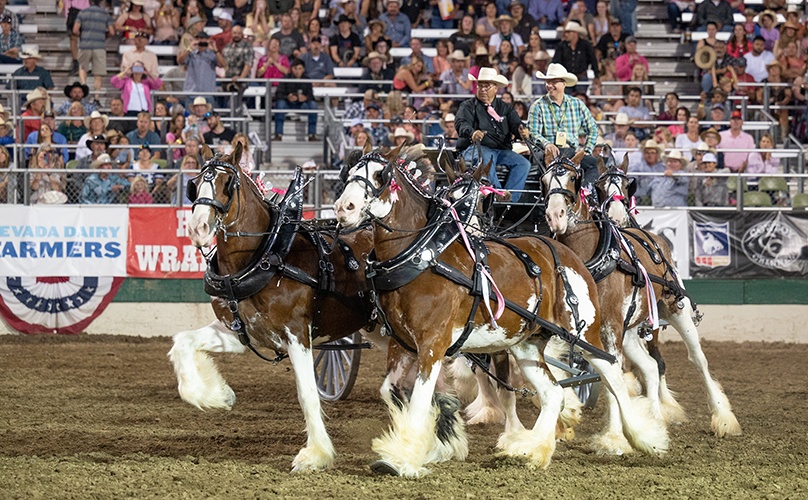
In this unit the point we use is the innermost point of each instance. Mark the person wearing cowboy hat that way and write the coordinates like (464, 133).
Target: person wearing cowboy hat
(93, 25)
(455, 80)
(621, 128)
(487, 120)
(670, 189)
(36, 102)
(649, 162)
(505, 24)
(712, 138)
(345, 45)
(97, 145)
(77, 92)
(524, 21)
(102, 187)
(575, 52)
(377, 71)
(767, 28)
(549, 14)
(401, 136)
(398, 25)
(719, 12)
(556, 118)
(30, 68)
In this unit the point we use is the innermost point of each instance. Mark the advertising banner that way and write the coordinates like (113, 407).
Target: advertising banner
(671, 226)
(159, 246)
(749, 245)
(63, 241)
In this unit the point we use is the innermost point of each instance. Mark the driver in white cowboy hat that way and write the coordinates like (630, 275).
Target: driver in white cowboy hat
(557, 119)
(493, 123)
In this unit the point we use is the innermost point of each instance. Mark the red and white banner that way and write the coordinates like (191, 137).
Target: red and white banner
(63, 240)
(159, 246)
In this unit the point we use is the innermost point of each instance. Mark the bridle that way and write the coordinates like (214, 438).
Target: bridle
(557, 169)
(617, 178)
(232, 189)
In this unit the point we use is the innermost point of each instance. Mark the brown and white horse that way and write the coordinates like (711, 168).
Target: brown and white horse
(430, 313)
(624, 310)
(286, 315)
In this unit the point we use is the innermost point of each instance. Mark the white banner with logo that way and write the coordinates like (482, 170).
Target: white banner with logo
(63, 240)
(672, 226)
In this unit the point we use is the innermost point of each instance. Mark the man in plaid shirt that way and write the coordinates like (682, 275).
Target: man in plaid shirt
(239, 55)
(556, 118)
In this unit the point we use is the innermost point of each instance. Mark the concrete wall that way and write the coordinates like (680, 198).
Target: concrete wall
(725, 323)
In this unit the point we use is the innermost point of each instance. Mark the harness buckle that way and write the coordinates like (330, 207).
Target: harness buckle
(233, 306)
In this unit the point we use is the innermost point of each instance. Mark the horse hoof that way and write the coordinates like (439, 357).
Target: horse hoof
(384, 468)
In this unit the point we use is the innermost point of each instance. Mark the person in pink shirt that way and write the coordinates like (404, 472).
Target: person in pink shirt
(735, 138)
(626, 62)
(273, 64)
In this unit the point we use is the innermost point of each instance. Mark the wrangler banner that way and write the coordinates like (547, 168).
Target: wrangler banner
(749, 245)
(159, 246)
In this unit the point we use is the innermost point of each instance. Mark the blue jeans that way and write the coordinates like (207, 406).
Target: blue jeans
(626, 12)
(516, 165)
(437, 21)
(284, 104)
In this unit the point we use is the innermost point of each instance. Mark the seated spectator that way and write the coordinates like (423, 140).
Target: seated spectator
(35, 104)
(225, 22)
(599, 23)
(416, 47)
(671, 108)
(767, 29)
(398, 25)
(5, 177)
(639, 74)
(376, 70)
(440, 62)
(358, 109)
(505, 60)
(146, 167)
(649, 163)
(6, 133)
(663, 137)
(273, 64)
(621, 128)
(739, 44)
(314, 31)
(317, 63)
(456, 79)
(189, 169)
(636, 111)
(763, 162)
(758, 60)
(77, 92)
(793, 63)
(350, 10)
(549, 14)
(710, 191)
(261, 22)
(670, 189)
(10, 40)
(247, 161)
(143, 135)
(412, 77)
(484, 26)
(73, 130)
(401, 136)
(47, 187)
(505, 25)
(160, 120)
(117, 117)
(378, 130)
(31, 68)
(524, 22)
(139, 192)
(103, 187)
(690, 138)
(523, 82)
(612, 44)
(778, 95)
(174, 136)
(46, 135)
(345, 45)
(136, 85)
(219, 135)
(122, 154)
(579, 13)
(718, 12)
(720, 68)
(376, 32)
(712, 138)
(383, 48)
(411, 123)
(362, 138)
(625, 63)
(736, 138)
(292, 43)
(465, 36)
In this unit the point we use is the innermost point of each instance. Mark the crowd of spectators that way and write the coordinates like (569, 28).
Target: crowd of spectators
(235, 40)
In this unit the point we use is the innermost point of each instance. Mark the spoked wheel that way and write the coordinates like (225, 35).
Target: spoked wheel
(336, 369)
(587, 393)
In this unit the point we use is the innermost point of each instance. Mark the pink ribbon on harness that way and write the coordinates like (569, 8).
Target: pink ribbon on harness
(486, 190)
(394, 189)
(488, 278)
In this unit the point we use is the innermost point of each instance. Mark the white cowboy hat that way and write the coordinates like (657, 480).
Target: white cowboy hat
(401, 132)
(93, 116)
(101, 160)
(505, 18)
(675, 154)
(490, 75)
(450, 117)
(576, 27)
(457, 55)
(652, 144)
(621, 119)
(31, 53)
(700, 146)
(53, 198)
(35, 95)
(557, 71)
(600, 141)
(542, 55)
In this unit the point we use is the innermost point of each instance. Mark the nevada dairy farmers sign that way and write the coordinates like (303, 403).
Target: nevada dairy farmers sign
(63, 241)
(159, 246)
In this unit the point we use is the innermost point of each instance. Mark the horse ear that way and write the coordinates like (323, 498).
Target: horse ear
(602, 166)
(367, 148)
(394, 153)
(578, 157)
(548, 157)
(207, 154)
(483, 171)
(235, 156)
(446, 165)
(624, 164)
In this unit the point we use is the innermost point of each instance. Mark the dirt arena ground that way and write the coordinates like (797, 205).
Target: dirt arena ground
(100, 417)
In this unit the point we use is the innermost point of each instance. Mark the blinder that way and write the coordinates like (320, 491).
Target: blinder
(209, 173)
(559, 168)
(632, 187)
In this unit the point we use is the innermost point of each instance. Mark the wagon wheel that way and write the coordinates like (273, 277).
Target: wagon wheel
(336, 369)
(587, 393)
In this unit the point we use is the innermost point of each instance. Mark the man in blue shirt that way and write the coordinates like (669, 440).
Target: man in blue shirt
(398, 25)
(670, 189)
(318, 65)
(200, 59)
(143, 135)
(30, 68)
(548, 13)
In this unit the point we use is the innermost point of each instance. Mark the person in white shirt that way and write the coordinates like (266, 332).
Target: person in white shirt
(758, 59)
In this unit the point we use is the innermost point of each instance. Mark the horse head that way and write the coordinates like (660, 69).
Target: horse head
(561, 186)
(614, 185)
(213, 193)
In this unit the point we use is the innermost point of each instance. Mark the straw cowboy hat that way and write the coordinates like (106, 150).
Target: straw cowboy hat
(490, 75)
(600, 141)
(790, 24)
(768, 13)
(93, 116)
(556, 71)
(103, 159)
(199, 101)
(190, 22)
(401, 132)
(35, 95)
(77, 85)
(652, 144)
(373, 22)
(576, 27)
(710, 131)
(705, 57)
(457, 55)
(505, 18)
(620, 119)
(31, 53)
(675, 154)
(700, 146)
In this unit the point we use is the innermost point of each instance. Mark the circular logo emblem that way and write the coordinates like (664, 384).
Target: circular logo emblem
(773, 245)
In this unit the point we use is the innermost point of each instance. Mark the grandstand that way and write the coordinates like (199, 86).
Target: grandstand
(669, 55)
